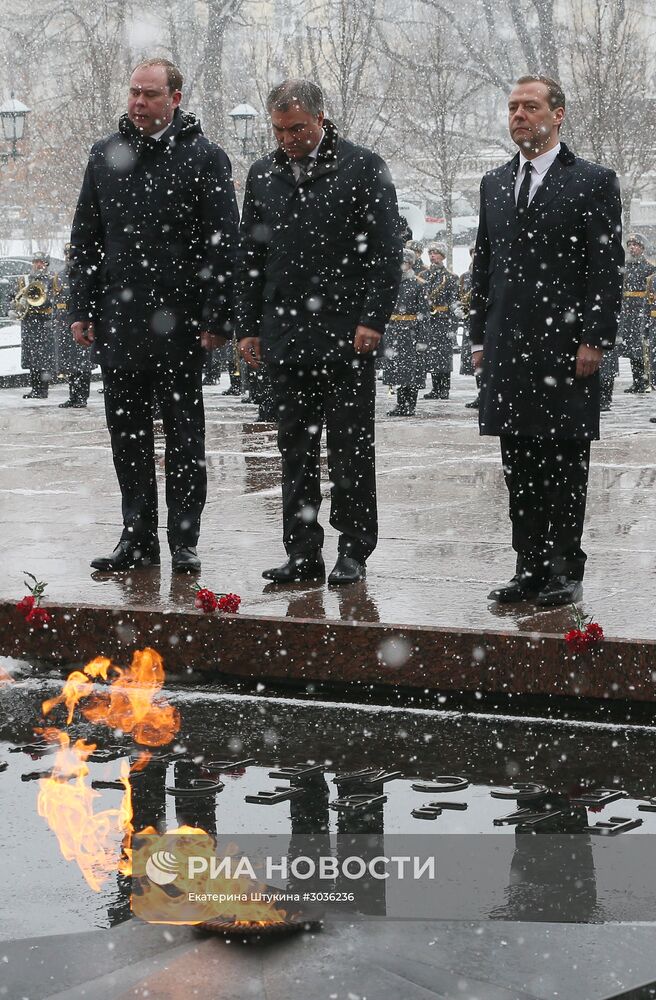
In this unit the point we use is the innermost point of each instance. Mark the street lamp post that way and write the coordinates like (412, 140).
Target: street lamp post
(243, 120)
(13, 115)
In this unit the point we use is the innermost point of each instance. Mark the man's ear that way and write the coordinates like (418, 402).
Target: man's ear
(320, 118)
(176, 97)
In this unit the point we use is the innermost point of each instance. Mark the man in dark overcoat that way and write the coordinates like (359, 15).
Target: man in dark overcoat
(38, 350)
(153, 245)
(318, 276)
(546, 294)
(73, 360)
(441, 324)
(633, 318)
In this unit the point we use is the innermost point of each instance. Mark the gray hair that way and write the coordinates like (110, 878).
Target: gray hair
(302, 92)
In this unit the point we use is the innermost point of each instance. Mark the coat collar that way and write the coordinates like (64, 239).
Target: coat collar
(326, 160)
(183, 123)
(556, 178)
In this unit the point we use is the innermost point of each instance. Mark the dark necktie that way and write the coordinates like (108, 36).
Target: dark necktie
(522, 198)
(304, 168)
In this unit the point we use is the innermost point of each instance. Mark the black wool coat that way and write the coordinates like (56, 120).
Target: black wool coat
(318, 257)
(154, 240)
(541, 286)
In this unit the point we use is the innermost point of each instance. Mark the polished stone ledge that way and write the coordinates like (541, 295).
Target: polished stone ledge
(261, 648)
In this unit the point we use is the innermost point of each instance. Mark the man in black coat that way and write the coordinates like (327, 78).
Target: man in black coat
(546, 294)
(153, 244)
(318, 277)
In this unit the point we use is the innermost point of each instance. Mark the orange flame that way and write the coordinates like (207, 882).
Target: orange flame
(130, 702)
(6, 678)
(163, 907)
(142, 762)
(66, 803)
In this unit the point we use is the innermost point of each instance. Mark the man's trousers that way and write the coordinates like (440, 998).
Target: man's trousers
(129, 399)
(341, 395)
(547, 484)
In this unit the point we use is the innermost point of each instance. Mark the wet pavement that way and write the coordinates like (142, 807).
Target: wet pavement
(444, 531)
(60, 939)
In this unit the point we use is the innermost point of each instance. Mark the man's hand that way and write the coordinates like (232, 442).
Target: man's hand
(212, 341)
(366, 340)
(83, 332)
(477, 360)
(588, 360)
(251, 351)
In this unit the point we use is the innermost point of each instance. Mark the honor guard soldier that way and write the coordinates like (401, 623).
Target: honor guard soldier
(632, 330)
(417, 249)
(33, 304)
(464, 301)
(442, 295)
(72, 360)
(404, 343)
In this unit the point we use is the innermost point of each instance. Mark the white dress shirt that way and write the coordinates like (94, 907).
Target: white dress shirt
(158, 135)
(540, 166)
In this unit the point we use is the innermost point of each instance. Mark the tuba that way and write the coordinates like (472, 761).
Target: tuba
(32, 296)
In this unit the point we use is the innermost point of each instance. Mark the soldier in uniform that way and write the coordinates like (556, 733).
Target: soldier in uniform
(72, 360)
(404, 344)
(211, 366)
(632, 324)
(442, 295)
(38, 353)
(417, 249)
(464, 299)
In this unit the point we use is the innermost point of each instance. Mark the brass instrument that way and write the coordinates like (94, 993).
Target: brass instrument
(236, 357)
(33, 295)
(465, 298)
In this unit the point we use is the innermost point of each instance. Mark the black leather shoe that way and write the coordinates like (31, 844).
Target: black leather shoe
(431, 395)
(652, 420)
(75, 404)
(127, 555)
(522, 587)
(297, 568)
(604, 408)
(35, 395)
(185, 560)
(232, 391)
(400, 411)
(347, 570)
(559, 590)
(473, 405)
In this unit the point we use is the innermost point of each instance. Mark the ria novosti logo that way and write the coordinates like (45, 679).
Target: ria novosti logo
(162, 867)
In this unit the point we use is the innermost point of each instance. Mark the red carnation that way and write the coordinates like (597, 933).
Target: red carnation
(206, 600)
(594, 632)
(230, 603)
(25, 605)
(38, 617)
(577, 640)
